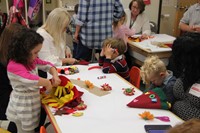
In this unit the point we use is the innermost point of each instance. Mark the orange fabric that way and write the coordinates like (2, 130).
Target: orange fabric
(135, 76)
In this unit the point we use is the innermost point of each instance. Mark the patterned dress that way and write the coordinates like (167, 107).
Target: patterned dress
(186, 106)
(24, 104)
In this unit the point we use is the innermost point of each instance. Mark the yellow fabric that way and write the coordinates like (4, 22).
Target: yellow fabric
(4, 131)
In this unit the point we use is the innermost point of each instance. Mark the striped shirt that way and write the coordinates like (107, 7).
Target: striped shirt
(95, 18)
(118, 65)
(24, 104)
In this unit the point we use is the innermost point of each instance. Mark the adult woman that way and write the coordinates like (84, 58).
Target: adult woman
(136, 18)
(186, 90)
(53, 31)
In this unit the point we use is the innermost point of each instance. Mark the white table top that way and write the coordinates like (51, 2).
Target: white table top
(109, 113)
(159, 38)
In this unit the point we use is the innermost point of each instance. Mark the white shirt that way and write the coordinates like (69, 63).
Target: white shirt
(141, 24)
(49, 52)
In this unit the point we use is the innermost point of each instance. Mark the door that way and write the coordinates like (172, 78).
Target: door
(167, 17)
(171, 13)
(182, 6)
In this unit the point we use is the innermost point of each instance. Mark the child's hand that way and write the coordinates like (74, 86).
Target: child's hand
(108, 51)
(48, 86)
(55, 81)
(102, 52)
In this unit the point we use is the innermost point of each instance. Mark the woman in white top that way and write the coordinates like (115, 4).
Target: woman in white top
(53, 31)
(136, 18)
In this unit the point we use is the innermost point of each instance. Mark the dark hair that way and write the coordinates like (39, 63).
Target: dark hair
(140, 3)
(76, 8)
(5, 40)
(186, 57)
(22, 44)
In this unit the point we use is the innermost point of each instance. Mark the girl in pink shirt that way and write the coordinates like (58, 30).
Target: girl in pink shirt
(120, 30)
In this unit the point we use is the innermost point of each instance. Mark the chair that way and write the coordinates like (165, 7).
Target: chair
(43, 129)
(153, 27)
(135, 76)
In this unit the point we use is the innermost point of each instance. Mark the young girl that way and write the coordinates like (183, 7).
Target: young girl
(122, 31)
(24, 105)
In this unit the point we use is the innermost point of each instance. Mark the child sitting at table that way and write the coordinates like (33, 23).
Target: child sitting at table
(112, 58)
(154, 72)
(24, 104)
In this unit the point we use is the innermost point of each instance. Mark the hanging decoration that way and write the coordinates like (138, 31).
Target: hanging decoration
(34, 8)
(147, 2)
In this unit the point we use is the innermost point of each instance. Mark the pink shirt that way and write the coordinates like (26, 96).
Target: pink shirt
(123, 32)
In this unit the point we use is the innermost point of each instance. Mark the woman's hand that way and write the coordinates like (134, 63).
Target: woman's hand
(144, 36)
(69, 61)
(68, 52)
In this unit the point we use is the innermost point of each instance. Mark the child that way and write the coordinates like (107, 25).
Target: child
(190, 126)
(154, 71)
(24, 105)
(73, 28)
(112, 59)
(120, 30)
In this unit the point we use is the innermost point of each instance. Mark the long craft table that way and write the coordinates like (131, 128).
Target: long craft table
(108, 113)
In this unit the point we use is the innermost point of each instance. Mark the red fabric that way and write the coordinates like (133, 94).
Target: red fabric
(143, 101)
(83, 62)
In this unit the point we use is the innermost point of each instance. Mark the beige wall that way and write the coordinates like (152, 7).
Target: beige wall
(3, 6)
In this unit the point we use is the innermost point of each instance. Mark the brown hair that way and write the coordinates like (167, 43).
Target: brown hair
(115, 43)
(190, 126)
(5, 40)
(140, 3)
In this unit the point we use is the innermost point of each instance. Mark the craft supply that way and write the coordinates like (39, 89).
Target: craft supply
(146, 115)
(106, 87)
(129, 91)
(101, 77)
(77, 114)
(163, 118)
(94, 67)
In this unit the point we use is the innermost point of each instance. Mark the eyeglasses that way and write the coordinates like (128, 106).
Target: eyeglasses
(134, 7)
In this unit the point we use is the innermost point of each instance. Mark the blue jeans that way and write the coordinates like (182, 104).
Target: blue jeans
(83, 52)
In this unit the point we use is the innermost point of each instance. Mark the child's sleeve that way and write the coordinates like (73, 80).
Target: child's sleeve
(43, 65)
(19, 73)
(109, 67)
(101, 60)
(128, 32)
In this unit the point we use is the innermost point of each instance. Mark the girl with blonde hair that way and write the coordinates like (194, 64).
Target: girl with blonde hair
(53, 31)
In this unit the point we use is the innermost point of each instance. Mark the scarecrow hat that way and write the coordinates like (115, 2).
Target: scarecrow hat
(152, 99)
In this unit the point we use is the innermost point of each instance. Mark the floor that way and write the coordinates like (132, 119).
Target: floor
(49, 128)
